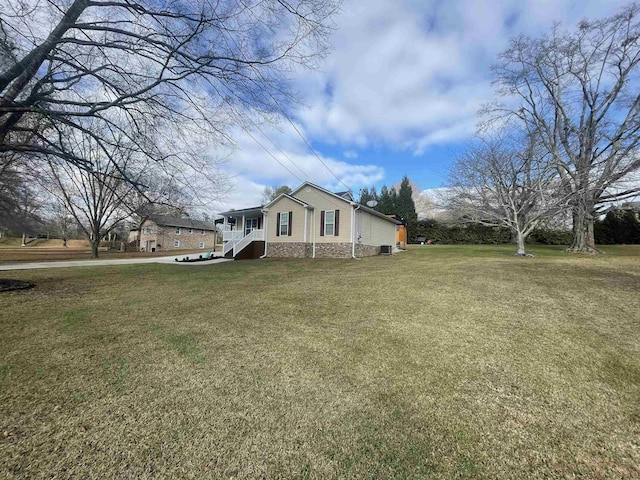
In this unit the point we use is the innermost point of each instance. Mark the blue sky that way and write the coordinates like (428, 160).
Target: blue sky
(399, 93)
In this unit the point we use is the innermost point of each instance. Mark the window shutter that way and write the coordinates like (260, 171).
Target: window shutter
(336, 230)
(278, 226)
(290, 218)
(322, 223)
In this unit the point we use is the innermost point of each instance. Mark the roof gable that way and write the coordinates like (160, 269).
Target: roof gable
(350, 202)
(290, 197)
(323, 190)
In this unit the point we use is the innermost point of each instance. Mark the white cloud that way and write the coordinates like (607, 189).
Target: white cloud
(414, 73)
(251, 168)
(404, 75)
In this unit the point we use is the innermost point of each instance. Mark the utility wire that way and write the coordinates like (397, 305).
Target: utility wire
(294, 127)
(273, 156)
(283, 153)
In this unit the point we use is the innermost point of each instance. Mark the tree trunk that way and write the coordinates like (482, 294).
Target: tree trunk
(95, 243)
(520, 242)
(583, 237)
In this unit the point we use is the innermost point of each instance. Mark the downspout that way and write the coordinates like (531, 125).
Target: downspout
(265, 212)
(314, 234)
(353, 230)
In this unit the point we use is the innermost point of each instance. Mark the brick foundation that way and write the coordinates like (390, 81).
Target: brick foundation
(333, 250)
(367, 250)
(323, 250)
(289, 249)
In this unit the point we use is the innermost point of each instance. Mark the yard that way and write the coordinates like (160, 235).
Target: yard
(441, 362)
(43, 250)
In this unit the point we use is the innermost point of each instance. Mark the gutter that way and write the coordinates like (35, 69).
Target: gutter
(353, 232)
(265, 212)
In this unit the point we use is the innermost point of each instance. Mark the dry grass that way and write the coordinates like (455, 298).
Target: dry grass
(441, 362)
(43, 250)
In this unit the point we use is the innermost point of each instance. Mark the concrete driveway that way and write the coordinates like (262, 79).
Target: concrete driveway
(115, 261)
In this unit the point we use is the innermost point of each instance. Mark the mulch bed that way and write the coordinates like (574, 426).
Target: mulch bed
(200, 259)
(8, 284)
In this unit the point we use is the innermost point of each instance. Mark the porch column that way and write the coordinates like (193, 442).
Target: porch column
(243, 225)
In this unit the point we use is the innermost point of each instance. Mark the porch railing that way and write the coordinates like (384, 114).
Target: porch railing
(237, 242)
(232, 235)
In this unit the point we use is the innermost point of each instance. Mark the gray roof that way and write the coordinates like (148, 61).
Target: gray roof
(240, 211)
(346, 195)
(181, 222)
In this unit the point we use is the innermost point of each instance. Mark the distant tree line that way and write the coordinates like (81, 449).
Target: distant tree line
(620, 227)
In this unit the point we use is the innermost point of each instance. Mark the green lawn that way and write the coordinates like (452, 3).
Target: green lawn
(441, 362)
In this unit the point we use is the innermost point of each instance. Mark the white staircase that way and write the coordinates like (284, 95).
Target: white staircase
(236, 242)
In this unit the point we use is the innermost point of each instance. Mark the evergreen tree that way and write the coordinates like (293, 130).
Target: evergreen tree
(385, 201)
(374, 194)
(365, 196)
(405, 206)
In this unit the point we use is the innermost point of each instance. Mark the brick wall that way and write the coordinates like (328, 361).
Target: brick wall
(165, 237)
(289, 249)
(366, 250)
(323, 250)
(333, 250)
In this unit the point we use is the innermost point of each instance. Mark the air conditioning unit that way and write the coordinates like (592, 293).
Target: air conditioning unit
(386, 250)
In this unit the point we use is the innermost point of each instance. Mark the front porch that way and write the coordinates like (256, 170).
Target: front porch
(240, 228)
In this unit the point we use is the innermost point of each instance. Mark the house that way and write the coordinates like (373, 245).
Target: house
(310, 222)
(162, 232)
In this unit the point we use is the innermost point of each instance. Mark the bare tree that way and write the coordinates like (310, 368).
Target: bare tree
(580, 89)
(95, 197)
(60, 220)
(271, 193)
(196, 66)
(20, 203)
(506, 181)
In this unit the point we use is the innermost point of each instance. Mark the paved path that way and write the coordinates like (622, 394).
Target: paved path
(115, 261)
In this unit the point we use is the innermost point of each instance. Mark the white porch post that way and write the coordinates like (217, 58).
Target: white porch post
(243, 225)
(265, 227)
(304, 237)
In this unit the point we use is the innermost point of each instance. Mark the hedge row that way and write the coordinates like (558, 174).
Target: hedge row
(479, 234)
(618, 227)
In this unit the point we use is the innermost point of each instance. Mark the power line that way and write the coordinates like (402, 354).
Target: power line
(273, 156)
(294, 127)
(310, 147)
(283, 153)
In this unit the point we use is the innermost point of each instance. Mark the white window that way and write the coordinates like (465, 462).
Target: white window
(176, 243)
(146, 230)
(203, 232)
(201, 245)
(178, 230)
(284, 223)
(329, 222)
(191, 230)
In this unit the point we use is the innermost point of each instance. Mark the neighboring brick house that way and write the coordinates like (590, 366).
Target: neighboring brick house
(161, 232)
(309, 222)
